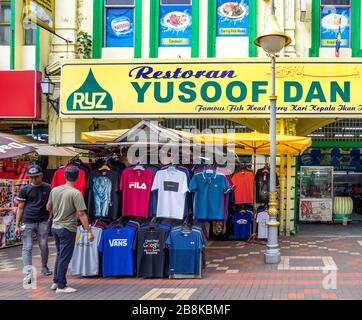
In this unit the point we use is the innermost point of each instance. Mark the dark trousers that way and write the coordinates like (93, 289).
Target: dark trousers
(65, 242)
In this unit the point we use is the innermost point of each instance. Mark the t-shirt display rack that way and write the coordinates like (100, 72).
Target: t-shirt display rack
(256, 206)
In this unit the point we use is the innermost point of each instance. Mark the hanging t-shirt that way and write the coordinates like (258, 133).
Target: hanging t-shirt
(242, 222)
(244, 187)
(262, 219)
(172, 187)
(104, 197)
(85, 260)
(59, 179)
(262, 181)
(136, 189)
(185, 250)
(209, 191)
(151, 252)
(117, 245)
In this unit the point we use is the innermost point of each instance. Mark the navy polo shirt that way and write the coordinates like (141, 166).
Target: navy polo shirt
(209, 191)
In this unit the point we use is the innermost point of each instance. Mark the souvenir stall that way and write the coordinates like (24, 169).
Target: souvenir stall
(16, 154)
(146, 212)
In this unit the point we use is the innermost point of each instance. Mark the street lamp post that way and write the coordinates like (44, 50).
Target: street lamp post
(272, 40)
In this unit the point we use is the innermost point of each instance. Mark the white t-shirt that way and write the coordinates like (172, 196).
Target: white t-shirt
(172, 187)
(262, 219)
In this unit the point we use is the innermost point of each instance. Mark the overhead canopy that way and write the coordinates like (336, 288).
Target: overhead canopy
(41, 149)
(254, 142)
(244, 143)
(102, 136)
(10, 148)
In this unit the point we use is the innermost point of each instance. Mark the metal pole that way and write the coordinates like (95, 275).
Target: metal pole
(272, 254)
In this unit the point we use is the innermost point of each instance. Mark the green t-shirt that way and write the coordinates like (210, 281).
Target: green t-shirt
(66, 201)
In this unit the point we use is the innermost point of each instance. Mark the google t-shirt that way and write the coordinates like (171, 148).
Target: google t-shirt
(172, 187)
(136, 189)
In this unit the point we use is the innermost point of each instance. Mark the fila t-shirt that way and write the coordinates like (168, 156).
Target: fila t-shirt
(262, 219)
(172, 187)
(242, 222)
(151, 252)
(117, 245)
(136, 189)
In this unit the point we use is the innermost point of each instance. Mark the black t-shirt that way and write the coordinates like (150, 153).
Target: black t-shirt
(152, 259)
(36, 199)
(104, 195)
(262, 180)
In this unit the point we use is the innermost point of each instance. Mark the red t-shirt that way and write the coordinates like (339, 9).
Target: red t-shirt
(244, 187)
(59, 179)
(136, 189)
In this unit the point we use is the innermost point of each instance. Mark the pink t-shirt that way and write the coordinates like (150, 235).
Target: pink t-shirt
(136, 189)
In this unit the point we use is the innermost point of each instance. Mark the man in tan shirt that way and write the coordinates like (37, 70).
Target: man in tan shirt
(66, 205)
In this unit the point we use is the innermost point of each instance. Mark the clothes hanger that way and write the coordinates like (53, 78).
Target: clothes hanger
(104, 167)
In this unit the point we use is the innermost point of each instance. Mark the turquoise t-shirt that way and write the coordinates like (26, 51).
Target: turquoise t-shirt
(209, 191)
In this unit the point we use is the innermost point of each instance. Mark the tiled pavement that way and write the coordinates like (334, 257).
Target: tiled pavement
(310, 268)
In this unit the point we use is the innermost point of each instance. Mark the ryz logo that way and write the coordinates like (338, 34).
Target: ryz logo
(118, 243)
(90, 97)
(137, 185)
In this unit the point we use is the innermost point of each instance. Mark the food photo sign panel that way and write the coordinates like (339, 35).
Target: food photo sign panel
(232, 18)
(175, 26)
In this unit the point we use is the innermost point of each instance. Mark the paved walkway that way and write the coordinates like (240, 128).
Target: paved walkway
(328, 267)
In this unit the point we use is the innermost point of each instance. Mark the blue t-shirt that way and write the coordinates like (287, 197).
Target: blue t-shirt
(209, 191)
(185, 252)
(117, 245)
(242, 222)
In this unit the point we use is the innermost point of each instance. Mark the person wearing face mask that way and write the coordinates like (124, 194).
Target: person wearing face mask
(32, 212)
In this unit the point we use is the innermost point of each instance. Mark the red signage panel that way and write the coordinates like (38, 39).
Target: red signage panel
(20, 94)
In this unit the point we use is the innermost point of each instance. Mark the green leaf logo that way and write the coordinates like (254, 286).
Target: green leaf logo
(90, 97)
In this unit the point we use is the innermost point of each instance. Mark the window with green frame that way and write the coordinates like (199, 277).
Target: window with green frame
(239, 15)
(325, 17)
(5, 17)
(174, 23)
(117, 23)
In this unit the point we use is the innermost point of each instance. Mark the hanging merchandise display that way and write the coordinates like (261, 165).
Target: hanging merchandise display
(152, 257)
(85, 259)
(185, 246)
(118, 245)
(262, 181)
(59, 179)
(172, 187)
(104, 198)
(209, 188)
(243, 222)
(244, 186)
(261, 220)
(136, 184)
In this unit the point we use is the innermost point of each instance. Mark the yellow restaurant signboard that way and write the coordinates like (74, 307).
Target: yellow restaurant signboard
(237, 88)
(42, 12)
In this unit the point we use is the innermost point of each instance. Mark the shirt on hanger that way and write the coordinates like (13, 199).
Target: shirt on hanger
(59, 179)
(151, 252)
(172, 187)
(104, 198)
(209, 191)
(185, 251)
(136, 189)
(244, 187)
(117, 245)
(262, 219)
(85, 260)
(242, 222)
